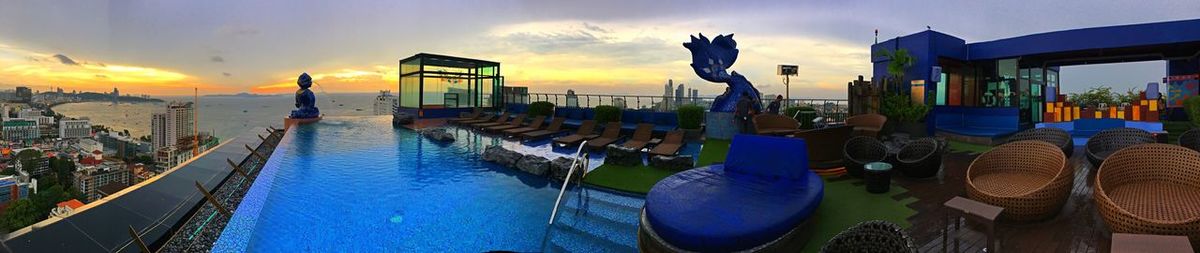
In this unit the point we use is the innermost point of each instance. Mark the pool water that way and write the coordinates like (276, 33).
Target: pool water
(358, 184)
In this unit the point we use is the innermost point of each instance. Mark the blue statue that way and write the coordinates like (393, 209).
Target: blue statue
(710, 60)
(306, 101)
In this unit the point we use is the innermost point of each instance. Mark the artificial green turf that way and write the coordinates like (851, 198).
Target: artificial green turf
(846, 204)
(712, 151)
(635, 179)
(969, 148)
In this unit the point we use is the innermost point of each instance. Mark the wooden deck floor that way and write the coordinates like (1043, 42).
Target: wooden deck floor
(1077, 228)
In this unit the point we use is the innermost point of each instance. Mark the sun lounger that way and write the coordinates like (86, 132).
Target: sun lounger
(537, 123)
(554, 129)
(486, 118)
(670, 144)
(515, 123)
(586, 131)
(475, 114)
(499, 121)
(641, 137)
(612, 133)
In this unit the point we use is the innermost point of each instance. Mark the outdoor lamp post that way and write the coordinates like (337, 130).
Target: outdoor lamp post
(787, 71)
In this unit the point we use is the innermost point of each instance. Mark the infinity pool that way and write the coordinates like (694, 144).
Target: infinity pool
(358, 184)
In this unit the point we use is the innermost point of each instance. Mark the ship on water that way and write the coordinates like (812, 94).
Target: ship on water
(385, 103)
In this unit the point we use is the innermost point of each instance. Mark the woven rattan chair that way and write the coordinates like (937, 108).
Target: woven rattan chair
(1103, 144)
(860, 151)
(1055, 136)
(1190, 139)
(1030, 179)
(871, 236)
(867, 124)
(1151, 189)
(920, 158)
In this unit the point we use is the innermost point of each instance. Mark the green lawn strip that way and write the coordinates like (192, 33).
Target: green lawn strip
(712, 151)
(846, 204)
(969, 148)
(634, 179)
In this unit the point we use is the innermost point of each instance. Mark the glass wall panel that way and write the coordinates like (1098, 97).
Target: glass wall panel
(435, 92)
(410, 91)
(941, 89)
(410, 66)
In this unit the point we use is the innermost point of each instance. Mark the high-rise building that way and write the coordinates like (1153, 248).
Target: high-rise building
(572, 99)
(75, 128)
(94, 172)
(115, 95)
(385, 103)
(24, 94)
(12, 189)
(679, 95)
(668, 89)
(167, 128)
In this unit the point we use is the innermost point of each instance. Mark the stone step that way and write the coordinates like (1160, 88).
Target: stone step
(600, 227)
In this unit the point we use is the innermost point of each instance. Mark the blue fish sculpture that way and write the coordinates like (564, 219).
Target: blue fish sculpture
(711, 60)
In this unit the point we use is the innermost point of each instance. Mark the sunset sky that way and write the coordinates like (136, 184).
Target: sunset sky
(624, 47)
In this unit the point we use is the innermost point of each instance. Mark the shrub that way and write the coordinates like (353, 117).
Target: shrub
(1192, 106)
(541, 108)
(607, 113)
(690, 116)
(902, 109)
(805, 119)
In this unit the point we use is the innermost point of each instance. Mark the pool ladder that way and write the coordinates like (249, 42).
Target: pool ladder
(579, 161)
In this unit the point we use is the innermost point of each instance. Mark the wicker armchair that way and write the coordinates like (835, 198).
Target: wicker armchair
(774, 124)
(860, 151)
(1190, 139)
(1055, 136)
(1151, 189)
(921, 158)
(1103, 144)
(867, 124)
(871, 236)
(1030, 179)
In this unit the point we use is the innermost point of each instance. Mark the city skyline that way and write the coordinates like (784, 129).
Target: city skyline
(169, 48)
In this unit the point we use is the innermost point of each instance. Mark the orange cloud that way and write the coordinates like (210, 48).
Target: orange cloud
(30, 68)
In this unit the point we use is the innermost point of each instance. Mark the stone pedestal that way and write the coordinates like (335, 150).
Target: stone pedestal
(620, 155)
(719, 125)
(288, 122)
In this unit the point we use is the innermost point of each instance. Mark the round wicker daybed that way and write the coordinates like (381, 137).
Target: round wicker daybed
(920, 158)
(1151, 189)
(754, 202)
(1029, 179)
(861, 150)
(1106, 142)
(1058, 137)
(871, 236)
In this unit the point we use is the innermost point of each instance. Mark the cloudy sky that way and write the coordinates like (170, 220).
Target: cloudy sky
(168, 47)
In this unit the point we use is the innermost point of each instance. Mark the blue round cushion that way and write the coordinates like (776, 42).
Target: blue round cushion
(711, 209)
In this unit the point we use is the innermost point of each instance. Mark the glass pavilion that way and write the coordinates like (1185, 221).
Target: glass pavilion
(441, 85)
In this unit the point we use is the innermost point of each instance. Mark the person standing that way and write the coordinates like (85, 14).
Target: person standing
(742, 113)
(773, 108)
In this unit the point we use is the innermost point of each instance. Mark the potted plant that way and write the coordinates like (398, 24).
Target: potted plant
(607, 113)
(690, 118)
(904, 115)
(541, 108)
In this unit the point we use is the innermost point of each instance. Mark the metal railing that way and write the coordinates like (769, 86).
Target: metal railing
(580, 161)
(835, 109)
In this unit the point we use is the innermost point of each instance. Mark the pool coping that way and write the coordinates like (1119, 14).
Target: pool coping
(235, 237)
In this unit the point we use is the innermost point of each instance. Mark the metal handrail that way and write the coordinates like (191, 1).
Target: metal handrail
(570, 173)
